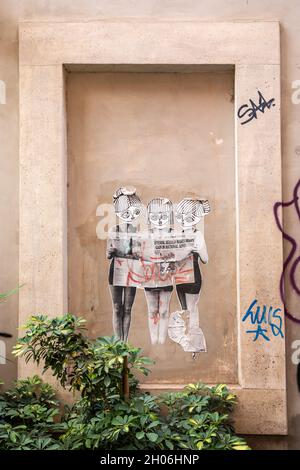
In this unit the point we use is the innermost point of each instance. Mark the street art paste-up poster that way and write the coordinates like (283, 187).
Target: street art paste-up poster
(159, 261)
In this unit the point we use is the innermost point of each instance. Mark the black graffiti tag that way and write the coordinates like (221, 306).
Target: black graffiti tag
(251, 111)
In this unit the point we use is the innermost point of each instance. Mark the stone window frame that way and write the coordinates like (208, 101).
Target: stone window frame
(253, 48)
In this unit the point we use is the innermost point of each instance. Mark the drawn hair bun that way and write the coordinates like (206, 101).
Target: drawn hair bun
(124, 191)
(125, 197)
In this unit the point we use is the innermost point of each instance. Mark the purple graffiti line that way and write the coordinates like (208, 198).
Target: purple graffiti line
(290, 264)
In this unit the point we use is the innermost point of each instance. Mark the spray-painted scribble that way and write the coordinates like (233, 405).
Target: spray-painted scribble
(292, 259)
(144, 273)
(251, 111)
(266, 320)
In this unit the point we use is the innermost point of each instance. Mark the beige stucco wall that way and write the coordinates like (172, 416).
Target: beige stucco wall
(160, 133)
(288, 13)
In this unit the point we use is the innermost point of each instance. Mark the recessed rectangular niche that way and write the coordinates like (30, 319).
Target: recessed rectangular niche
(169, 133)
(46, 51)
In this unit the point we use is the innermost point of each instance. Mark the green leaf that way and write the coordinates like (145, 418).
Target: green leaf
(243, 447)
(169, 444)
(144, 419)
(152, 436)
(118, 421)
(193, 422)
(153, 424)
(107, 381)
(10, 292)
(140, 435)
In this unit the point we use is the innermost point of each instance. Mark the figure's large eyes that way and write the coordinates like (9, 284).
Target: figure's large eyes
(189, 218)
(159, 218)
(136, 212)
(125, 214)
(186, 219)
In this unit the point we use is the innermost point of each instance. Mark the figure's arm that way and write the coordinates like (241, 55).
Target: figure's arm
(110, 250)
(200, 248)
(203, 253)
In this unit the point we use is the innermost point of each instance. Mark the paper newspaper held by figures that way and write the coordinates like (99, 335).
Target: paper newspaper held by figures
(146, 246)
(169, 248)
(124, 244)
(143, 260)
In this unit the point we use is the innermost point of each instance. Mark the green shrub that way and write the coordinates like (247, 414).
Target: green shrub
(198, 417)
(93, 367)
(27, 416)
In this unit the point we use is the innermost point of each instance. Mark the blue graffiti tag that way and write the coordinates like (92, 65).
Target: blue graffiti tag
(267, 321)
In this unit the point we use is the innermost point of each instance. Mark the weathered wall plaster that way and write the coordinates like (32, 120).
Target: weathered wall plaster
(216, 10)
